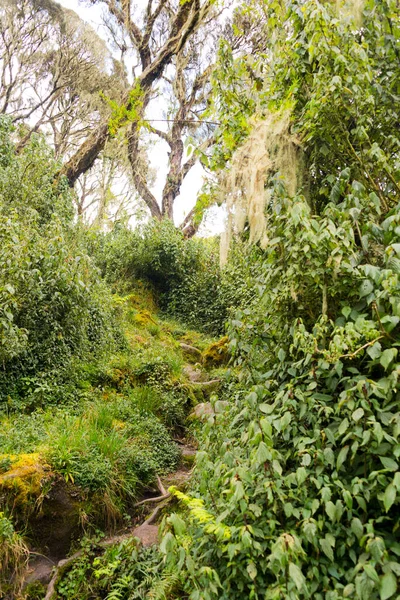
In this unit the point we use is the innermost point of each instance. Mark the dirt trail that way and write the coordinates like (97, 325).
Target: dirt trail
(47, 570)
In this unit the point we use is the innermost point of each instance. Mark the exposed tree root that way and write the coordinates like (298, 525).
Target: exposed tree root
(63, 565)
(164, 494)
(149, 500)
(111, 541)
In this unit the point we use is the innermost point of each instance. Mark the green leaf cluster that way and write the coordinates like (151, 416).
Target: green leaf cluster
(53, 307)
(129, 112)
(302, 467)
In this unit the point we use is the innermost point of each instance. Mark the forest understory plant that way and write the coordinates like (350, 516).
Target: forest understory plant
(297, 487)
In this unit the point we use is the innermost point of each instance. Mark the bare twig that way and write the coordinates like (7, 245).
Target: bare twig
(353, 354)
(64, 564)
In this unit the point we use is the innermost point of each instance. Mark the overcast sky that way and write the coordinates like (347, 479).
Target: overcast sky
(158, 155)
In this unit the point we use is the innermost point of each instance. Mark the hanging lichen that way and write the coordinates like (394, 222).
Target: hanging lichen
(270, 149)
(351, 9)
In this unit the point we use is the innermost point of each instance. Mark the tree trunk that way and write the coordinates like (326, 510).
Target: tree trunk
(174, 179)
(138, 175)
(185, 23)
(86, 155)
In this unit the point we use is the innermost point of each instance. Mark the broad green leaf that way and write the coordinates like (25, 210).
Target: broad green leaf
(167, 543)
(266, 427)
(267, 409)
(327, 548)
(277, 467)
(178, 524)
(346, 311)
(331, 510)
(329, 456)
(366, 288)
(376, 547)
(389, 463)
(390, 322)
(374, 351)
(388, 586)
(389, 497)
(239, 490)
(378, 432)
(310, 529)
(342, 457)
(348, 590)
(297, 576)
(357, 414)
(252, 570)
(281, 355)
(387, 357)
(371, 572)
(343, 426)
(357, 527)
(286, 419)
(301, 475)
(263, 454)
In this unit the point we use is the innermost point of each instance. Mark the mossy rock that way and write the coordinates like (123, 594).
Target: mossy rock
(190, 353)
(143, 318)
(140, 298)
(217, 353)
(23, 481)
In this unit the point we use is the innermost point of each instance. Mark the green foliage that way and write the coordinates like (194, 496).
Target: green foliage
(185, 274)
(122, 114)
(53, 307)
(13, 558)
(112, 448)
(124, 571)
(108, 450)
(342, 83)
(304, 470)
(297, 488)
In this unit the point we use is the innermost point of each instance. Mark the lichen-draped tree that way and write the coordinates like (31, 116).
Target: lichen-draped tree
(267, 139)
(155, 38)
(52, 68)
(187, 91)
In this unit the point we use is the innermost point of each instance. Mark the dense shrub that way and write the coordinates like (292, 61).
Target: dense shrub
(300, 478)
(113, 448)
(13, 558)
(185, 274)
(124, 571)
(53, 306)
(297, 486)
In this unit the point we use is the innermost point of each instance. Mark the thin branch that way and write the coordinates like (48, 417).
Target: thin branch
(198, 121)
(353, 354)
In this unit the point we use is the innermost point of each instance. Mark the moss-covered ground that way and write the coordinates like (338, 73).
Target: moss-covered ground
(79, 468)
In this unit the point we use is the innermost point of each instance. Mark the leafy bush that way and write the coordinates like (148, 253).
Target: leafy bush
(185, 274)
(297, 486)
(167, 405)
(13, 558)
(112, 449)
(300, 481)
(124, 571)
(53, 306)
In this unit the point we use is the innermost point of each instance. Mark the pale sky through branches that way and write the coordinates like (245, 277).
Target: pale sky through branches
(158, 153)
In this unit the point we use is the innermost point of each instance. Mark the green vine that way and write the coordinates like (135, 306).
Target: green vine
(122, 114)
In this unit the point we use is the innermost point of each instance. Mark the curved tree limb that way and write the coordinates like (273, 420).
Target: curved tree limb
(185, 23)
